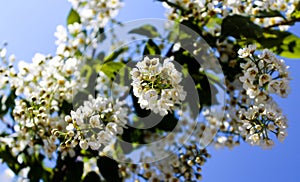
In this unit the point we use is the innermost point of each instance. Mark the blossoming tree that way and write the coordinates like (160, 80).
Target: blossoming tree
(145, 100)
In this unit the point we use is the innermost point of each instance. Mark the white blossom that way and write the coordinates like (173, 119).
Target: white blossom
(157, 85)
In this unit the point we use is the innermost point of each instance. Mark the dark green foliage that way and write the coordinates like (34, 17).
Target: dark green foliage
(244, 30)
(92, 177)
(151, 48)
(240, 26)
(109, 169)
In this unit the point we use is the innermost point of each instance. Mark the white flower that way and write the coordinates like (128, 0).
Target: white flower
(75, 28)
(95, 121)
(263, 79)
(114, 129)
(104, 137)
(61, 35)
(3, 52)
(282, 134)
(247, 51)
(157, 85)
(83, 144)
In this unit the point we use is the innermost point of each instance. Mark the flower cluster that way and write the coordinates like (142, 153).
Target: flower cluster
(157, 85)
(40, 88)
(85, 34)
(186, 165)
(94, 124)
(96, 14)
(210, 12)
(252, 114)
(73, 40)
(263, 74)
(259, 121)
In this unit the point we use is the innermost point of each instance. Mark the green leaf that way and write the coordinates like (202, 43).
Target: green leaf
(168, 123)
(146, 30)
(132, 136)
(282, 43)
(109, 169)
(75, 171)
(151, 48)
(65, 107)
(110, 68)
(9, 159)
(92, 176)
(240, 27)
(213, 21)
(291, 47)
(115, 54)
(73, 17)
(296, 13)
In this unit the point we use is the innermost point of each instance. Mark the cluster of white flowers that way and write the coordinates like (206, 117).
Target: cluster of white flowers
(263, 74)
(94, 124)
(157, 85)
(81, 36)
(185, 165)
(71, 41)
(208, 11)
(251, 113)
(40, 88)
(259, 121)
(95, 14)
(44, 84)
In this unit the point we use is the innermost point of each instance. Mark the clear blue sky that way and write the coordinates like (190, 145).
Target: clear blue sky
(28, 27)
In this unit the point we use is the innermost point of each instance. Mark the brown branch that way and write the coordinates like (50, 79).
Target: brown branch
(288, 22)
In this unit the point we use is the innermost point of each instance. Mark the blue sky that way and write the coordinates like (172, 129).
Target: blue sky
(28, 27)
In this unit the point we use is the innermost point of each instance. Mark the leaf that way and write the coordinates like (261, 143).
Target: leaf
(75, 171)
(115, 54)
(92, 176)
(269, 13)
(151, 48)
(168, 123)
(9, 159)
(73, 17)
(213, 21)
(109, 169)
(282, 43)
(65, 107)
(291, 47)
(296, 13)
(238, 27)
(132, 135)
(146, 30)
(111, 68)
